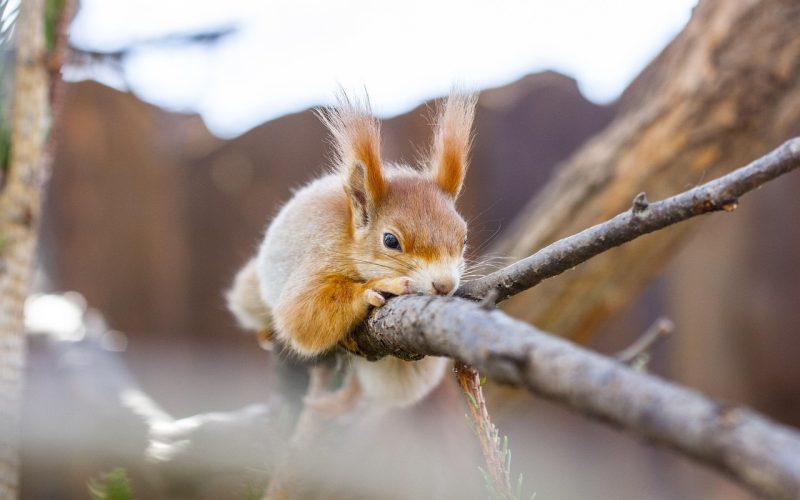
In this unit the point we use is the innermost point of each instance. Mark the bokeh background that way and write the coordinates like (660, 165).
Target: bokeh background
(184, 127)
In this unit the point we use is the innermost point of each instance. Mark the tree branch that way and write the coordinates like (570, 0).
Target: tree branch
(20, 204)
(761, 454)
(643, 217)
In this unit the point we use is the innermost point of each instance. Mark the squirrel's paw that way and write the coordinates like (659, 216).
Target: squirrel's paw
(394, 286)
(374, 298)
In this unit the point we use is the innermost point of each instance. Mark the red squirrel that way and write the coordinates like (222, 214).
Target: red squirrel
(364, 231)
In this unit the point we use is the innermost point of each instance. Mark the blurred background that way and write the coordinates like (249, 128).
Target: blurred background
(185, 125)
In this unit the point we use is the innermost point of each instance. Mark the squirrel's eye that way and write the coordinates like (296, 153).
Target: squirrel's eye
(391, 241)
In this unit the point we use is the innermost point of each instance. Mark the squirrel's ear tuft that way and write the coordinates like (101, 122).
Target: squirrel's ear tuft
(356, 139)
(451, 142)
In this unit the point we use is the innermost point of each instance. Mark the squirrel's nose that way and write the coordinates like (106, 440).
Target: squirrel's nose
(443, 286)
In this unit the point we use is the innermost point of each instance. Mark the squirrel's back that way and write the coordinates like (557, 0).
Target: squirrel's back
(306, 233)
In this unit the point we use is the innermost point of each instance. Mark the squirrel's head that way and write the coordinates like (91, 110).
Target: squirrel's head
(403, 221)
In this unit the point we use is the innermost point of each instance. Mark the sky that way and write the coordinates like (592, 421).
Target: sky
(287, 56)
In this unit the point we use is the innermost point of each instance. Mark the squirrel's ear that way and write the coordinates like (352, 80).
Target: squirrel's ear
(356, 137)
(451, 142)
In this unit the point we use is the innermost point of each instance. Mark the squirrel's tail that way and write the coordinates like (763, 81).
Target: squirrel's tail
(395, 382)
(245, 302)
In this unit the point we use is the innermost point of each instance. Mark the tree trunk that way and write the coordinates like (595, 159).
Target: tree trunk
(20, 203)
(725, 91)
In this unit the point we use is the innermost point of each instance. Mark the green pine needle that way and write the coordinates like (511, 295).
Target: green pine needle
(8, 19)
(52, 14)
(113, 485)
(5, 147)
(471, 423)
(472, 400)
(253, 492)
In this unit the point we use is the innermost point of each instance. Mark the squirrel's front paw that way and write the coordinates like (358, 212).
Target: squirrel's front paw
(374, 298)
(394, 286)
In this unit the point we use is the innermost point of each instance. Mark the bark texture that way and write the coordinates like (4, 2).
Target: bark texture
(725, 90)
(760, 454)
(20, 202)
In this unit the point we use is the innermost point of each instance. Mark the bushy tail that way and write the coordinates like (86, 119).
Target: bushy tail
(245, 302)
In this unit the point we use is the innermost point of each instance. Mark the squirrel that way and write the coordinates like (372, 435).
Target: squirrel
(365, 230)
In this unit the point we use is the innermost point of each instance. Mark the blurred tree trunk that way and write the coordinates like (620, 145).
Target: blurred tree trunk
(725, 91)
(20, 202)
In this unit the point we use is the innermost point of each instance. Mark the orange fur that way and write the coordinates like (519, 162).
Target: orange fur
(356, 136)
(452, 141)
(317, 317)
(412, 200)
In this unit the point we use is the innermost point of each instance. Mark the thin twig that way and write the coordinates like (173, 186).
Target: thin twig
(470, 381)
(660, 329)
(720, 194)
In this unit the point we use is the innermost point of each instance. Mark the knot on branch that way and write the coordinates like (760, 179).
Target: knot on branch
(640, 203)
(730, 206)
